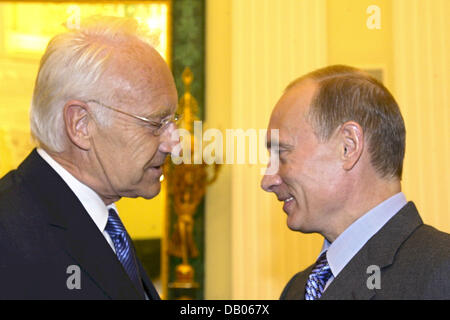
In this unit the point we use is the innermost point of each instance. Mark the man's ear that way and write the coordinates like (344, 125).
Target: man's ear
(76, 119)
(352, 143)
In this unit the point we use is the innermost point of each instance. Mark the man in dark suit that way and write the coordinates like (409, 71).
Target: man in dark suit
(341, 142)
(103, 118)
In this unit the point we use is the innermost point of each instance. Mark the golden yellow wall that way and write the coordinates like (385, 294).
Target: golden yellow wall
(254, 48)
(351, 42)
(218, 197)
(421, 54)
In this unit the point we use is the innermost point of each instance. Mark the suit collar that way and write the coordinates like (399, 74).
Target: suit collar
(47, 189)
(74, 229)
(384, 245)
(90, 200)
(349, 242)
(380, 251)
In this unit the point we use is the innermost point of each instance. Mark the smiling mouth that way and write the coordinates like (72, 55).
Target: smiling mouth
(158, 169)
(288, 199)
(287, 204)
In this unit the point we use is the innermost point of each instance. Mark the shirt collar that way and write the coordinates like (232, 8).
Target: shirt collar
(345, 247)
(90, 200)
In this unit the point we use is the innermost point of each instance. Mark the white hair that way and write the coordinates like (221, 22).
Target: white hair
(72, 68)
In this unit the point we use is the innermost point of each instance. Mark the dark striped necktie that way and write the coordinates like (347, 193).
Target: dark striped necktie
(124, 249)
(315, 285)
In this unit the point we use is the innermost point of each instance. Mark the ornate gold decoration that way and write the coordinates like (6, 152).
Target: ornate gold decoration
(187, 186)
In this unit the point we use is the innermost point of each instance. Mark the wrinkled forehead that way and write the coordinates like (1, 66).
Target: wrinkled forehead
(142, 79)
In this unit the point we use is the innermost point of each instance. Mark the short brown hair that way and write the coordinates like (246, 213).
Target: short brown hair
(349, 94)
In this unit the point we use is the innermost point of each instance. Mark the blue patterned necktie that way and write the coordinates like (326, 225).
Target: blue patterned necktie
(318, 278)
(124, 249)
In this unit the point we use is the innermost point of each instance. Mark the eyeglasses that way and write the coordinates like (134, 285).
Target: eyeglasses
(157, 127)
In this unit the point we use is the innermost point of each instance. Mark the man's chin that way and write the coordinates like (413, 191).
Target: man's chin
(146, 193)
(152, 192)
(300, 227)
(295, 225)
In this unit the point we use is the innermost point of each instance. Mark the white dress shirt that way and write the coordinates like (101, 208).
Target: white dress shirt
(90, 200)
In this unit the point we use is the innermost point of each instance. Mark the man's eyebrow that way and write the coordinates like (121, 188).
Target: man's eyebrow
(159, 114)
(281, 145)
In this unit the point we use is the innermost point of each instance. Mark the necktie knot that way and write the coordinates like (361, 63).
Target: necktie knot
(315, 285)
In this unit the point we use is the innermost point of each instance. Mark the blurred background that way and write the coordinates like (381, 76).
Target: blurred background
(243, 53)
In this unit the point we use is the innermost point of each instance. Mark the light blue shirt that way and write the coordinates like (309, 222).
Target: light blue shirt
(349, 242)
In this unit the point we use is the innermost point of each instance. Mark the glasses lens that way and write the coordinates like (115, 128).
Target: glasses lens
(166, 122)
(162, 126)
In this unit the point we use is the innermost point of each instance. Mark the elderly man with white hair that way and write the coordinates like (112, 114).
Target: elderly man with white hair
(102, 114)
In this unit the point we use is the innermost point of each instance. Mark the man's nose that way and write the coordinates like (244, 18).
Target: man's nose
(270, 181)
(169, 138)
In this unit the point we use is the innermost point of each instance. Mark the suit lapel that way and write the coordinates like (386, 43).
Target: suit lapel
(351, 282)
(148, 287)
(74, 229)
(303, 278)
(295, 289)
(380, 250)
(97, 260)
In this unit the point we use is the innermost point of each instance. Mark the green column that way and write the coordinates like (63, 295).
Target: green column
(188, 50)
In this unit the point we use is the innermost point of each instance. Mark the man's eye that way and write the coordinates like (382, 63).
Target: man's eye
(156, 124)
(276, 150)
(151, 125)
(273, 151)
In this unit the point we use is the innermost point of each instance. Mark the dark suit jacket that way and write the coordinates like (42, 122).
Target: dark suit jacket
(414, 261)
(44, 229)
